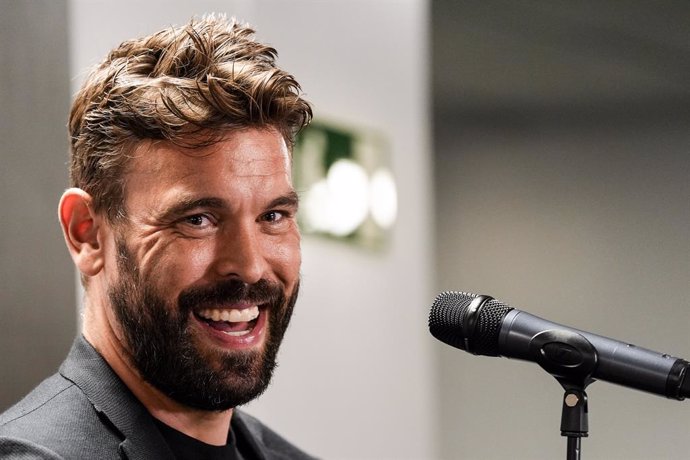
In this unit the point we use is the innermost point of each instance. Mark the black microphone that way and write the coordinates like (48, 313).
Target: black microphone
(481, 325)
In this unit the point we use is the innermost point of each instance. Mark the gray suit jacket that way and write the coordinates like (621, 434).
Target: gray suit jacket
(86, 412)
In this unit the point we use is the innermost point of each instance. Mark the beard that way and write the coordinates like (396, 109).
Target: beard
(162, 346)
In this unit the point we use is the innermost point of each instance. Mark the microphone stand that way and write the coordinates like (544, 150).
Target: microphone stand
(571, 359)
(574, 421)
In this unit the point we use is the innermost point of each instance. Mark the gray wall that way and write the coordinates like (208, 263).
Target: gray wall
(585, 225)
(563, 188)
(37, 304)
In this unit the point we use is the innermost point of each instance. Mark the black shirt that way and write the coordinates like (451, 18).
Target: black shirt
(188, 448)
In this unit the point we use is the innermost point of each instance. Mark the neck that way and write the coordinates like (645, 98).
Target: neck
(211, 427)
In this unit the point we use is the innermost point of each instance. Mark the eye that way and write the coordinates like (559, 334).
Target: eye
(197, 221)
(276, 217)
(273, 216)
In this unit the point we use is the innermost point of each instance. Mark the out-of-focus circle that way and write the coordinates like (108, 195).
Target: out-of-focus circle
(348, 203)
(384, 198)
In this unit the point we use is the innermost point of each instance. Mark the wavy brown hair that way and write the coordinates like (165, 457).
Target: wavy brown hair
(188, 85)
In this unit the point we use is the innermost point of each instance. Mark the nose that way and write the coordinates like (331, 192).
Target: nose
(240, 254)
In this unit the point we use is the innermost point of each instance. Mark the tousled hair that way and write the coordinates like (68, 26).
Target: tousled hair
(188, 85)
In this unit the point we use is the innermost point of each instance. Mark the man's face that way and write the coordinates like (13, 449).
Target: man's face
(207, 264)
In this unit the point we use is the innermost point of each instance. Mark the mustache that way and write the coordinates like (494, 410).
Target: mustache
(230, 291)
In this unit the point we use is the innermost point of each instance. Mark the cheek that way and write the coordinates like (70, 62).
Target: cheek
(197, 261)
(286, 259)
(175, 269)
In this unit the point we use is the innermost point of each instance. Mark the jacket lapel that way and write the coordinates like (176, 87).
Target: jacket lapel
(114, 403)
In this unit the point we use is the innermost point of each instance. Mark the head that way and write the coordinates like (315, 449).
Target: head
(181, 215)
(188, 85)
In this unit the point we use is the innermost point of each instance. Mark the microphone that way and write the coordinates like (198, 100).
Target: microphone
(481, 325)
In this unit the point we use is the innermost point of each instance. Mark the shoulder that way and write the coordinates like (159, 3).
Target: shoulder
(55, 417)
(272, 445)
(41, 406)
(11, 448)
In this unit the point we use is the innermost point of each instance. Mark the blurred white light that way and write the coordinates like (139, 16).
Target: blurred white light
(384, 198)
(340, 203)
(348, 191)
(315, 207)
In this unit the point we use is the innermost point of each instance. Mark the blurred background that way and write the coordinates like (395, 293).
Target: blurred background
(541, 151)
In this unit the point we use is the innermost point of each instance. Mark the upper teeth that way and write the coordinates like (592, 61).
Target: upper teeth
(232, 316)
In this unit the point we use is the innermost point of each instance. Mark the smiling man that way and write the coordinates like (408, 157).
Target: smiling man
(181, 221)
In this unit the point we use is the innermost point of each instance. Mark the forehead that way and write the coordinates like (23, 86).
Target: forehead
(248, 164)
(241, 152)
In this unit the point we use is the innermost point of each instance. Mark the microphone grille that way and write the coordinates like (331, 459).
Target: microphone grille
(449, 312)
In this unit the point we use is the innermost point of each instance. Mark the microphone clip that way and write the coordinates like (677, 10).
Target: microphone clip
(566, 355)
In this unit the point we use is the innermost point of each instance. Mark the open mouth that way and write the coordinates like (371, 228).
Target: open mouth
(232, 322)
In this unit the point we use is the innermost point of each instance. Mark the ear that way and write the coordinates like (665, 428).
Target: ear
(80, 226)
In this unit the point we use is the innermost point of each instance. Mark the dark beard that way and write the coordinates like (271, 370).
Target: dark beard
(159, 337)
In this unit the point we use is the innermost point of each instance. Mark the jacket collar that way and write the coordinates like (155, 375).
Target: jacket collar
(114, 402)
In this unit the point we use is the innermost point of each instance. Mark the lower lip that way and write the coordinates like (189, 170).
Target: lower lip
(250, 340)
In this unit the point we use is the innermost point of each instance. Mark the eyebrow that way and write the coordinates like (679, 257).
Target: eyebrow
(290, 200)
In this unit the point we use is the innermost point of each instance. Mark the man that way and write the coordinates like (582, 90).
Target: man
(181, 221)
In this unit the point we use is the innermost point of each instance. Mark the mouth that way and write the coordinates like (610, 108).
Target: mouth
(238, 326)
